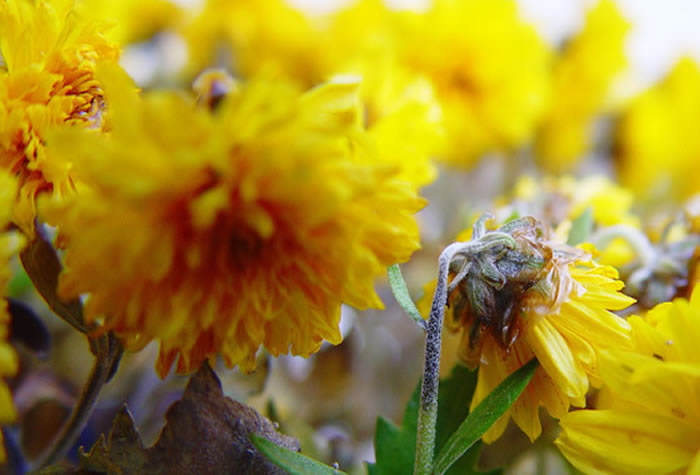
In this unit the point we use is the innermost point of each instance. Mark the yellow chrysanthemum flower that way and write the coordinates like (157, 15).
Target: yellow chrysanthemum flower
(581, 85)
(9, 245)
(534, 298)
(401, 110)
(658, 144)
(265, 36)
(216, 232)
(275, 39)
(48, 79)
(490, 71)
(647, 418)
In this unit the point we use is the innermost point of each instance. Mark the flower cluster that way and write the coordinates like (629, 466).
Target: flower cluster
(270, 169)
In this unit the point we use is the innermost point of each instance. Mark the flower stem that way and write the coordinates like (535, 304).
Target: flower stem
(102, 370)
(428, 409)
(633, 236)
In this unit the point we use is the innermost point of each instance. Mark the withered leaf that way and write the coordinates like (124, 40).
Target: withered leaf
(205, 432)
(43, 267)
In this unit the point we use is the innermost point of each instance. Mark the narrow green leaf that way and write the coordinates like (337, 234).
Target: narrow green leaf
(395, 447)
(484, 416)
(581, 227)
(19, 284)
(454, 397)
(512, 217)
(293, 462)
(400, 290)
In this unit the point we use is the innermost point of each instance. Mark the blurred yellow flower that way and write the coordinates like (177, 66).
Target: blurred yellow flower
(558, 201)
(49, 56)
(490, 71)
(273, 38)
(545, 300)
(132, 20)
(216, 232)
(647, 419)
(582, 80)
(9, 245)
(657, 141)
(267, 36)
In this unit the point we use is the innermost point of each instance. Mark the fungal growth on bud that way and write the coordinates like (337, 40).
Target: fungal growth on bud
(515, 293)
(503, 275)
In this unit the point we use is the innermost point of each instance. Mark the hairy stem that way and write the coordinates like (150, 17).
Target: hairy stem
(427, 411)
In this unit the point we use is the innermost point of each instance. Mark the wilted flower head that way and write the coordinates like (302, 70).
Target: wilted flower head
(9, 245)
(218, 231)
(647, 418)
(49, 55)
(515, 294)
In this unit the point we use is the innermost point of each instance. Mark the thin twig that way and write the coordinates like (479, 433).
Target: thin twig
(101, 372)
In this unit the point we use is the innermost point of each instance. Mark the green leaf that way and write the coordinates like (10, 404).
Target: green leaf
(395, 447)
(19, 284)
(454, 396)
(484, 416)
(400, 290)
(293, 462)
(512, 217)
(581, 227)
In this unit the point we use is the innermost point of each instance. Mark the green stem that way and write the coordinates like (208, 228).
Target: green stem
(427, 411)
(633, 236)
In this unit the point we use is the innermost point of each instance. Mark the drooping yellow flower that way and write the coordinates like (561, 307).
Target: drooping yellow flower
(525, 296)
(647, 419)
(582, 80)
(489, 69)
(9, 245)
(216, 232)
(657, 141)
(48, 79)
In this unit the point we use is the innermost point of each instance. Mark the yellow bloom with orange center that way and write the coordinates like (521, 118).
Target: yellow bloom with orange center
(647, 419)
(522, 295)
(218, 231)
(490, 71)
(582, 83)
(9, 245)
(48, 80)
(657, 141)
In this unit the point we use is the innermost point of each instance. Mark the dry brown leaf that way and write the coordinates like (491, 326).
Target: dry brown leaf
(206, 432)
